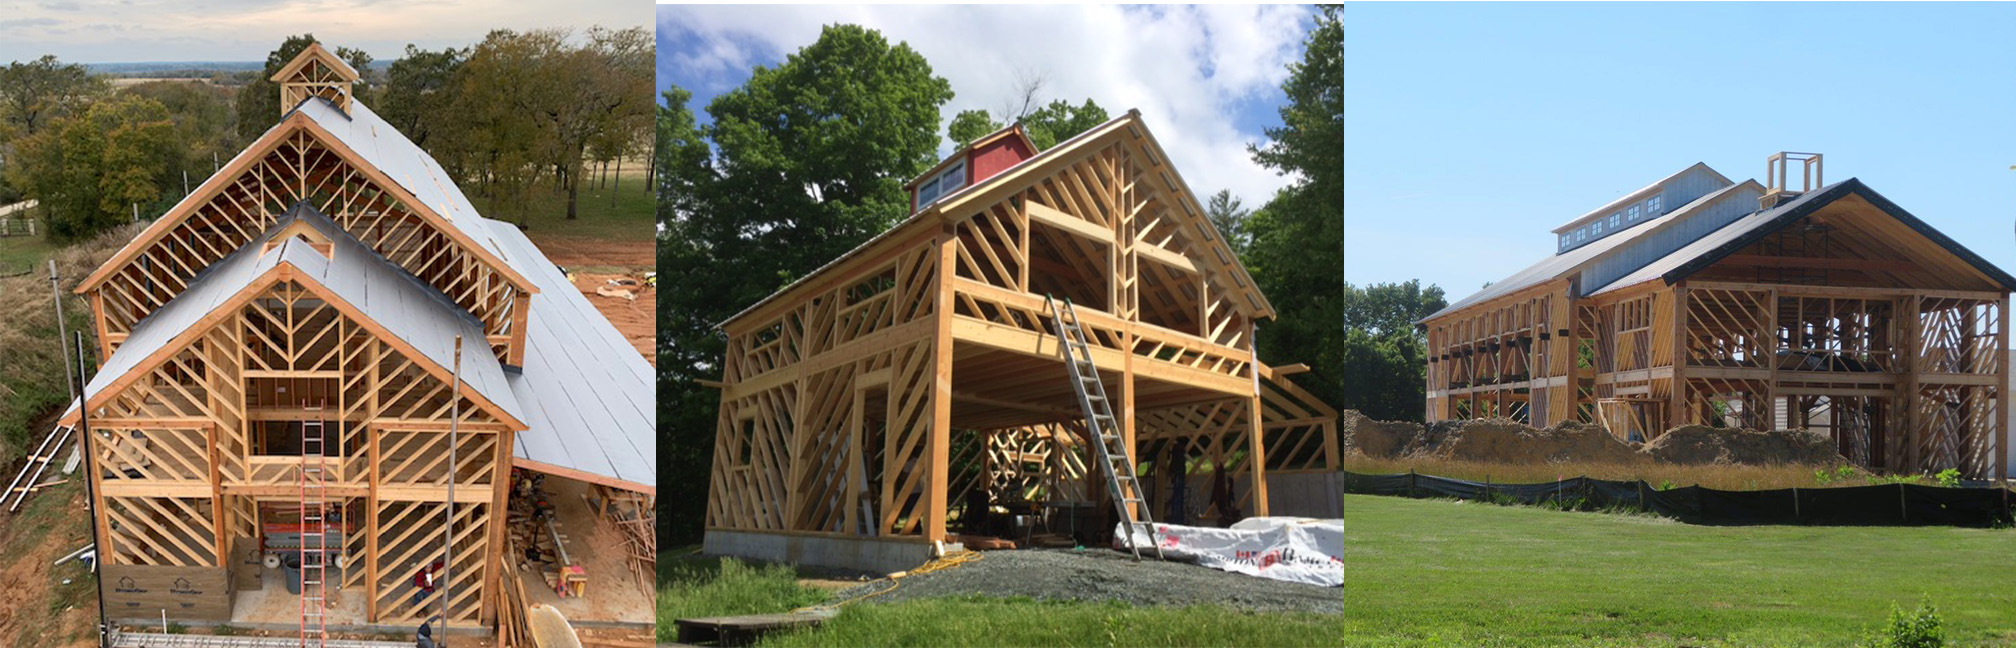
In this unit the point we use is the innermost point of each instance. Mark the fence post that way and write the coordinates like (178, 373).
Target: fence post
(1903, 512)
(1410, 482)
(1795, 502)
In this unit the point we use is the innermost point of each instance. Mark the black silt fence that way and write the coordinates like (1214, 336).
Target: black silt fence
(1880, 505)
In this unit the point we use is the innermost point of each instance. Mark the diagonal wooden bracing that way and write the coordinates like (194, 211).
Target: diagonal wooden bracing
(870, 398)
(293, 164)
(186, 449)
(1843, 322)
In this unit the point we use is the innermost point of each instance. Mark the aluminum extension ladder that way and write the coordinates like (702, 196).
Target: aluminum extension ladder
(24, 483)
(314, 546)
(1114, 457)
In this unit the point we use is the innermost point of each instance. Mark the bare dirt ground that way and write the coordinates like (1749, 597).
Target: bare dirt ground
(43, 604)
(613, 593)
(594, 262)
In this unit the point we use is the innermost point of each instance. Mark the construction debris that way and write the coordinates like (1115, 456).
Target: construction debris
(635, 520)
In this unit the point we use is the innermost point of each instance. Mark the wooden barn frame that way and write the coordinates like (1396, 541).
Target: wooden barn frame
(862, 401)
(1829, 309)
(330, 282)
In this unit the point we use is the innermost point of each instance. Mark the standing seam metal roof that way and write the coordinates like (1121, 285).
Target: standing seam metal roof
(1559, 265)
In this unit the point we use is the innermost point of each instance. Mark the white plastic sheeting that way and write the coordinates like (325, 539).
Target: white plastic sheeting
(1301, 550)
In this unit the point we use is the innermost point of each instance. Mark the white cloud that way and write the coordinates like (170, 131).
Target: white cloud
(1188, 69)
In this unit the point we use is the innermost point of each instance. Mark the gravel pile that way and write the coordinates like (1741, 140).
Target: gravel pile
(1105, 575)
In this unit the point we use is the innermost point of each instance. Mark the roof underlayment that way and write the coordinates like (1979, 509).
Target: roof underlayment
(592, 403)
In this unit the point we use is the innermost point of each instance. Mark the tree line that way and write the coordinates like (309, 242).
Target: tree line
(806, 160)
(516, 113)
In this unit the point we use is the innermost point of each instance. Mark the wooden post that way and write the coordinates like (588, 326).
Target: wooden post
(1999, 429)
(500, 483)
(1905, 457)
(937, 446)
(1257, 459)
(371, 433)
(1678, 414)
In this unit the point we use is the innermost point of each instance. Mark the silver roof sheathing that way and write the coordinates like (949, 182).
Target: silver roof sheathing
(592, 399)
(1559, 265)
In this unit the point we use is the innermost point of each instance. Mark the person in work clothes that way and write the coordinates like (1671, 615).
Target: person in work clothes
(424, 582)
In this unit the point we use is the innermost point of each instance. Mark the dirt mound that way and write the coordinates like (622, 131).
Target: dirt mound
(1508, 440)
(1700, 444)
(1381, 439)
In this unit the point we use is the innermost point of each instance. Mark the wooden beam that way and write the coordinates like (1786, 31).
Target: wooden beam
(1817, 263)
(937, 446)
(1047, 215)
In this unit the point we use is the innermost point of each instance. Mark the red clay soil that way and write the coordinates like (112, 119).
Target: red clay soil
(28, 616)
(597, 261)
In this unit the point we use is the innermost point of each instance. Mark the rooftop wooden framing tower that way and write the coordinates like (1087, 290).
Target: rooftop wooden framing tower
(315, 72)
(332, 273)
(862, 400)
(1824, 308)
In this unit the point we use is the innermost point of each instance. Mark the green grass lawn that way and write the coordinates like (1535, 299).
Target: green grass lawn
(630, 216)
(1435, 572)
(692, 586)
(25, 253)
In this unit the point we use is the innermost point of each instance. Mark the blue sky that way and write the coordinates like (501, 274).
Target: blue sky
(1206, 79)
(1472, 130)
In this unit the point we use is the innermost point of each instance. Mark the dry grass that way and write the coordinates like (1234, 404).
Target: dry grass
(1717, 476)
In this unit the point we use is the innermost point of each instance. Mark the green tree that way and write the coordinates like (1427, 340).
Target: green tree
(89, 169)
(1296, 253)
(1061, 121)
(808, 161)
(1229, 215)
(205, 125)
(1048, 125)
(31, 95)
(970, 125)
(259, 100)
(1384, 356)
(418, 96)
(35, 92)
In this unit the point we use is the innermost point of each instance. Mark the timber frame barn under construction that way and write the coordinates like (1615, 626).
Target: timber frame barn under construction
(1698, 300)
(286, 355)
(862, 405)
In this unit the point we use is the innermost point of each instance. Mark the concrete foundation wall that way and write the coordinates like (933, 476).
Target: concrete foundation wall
(1316, 495)
(861, 554)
